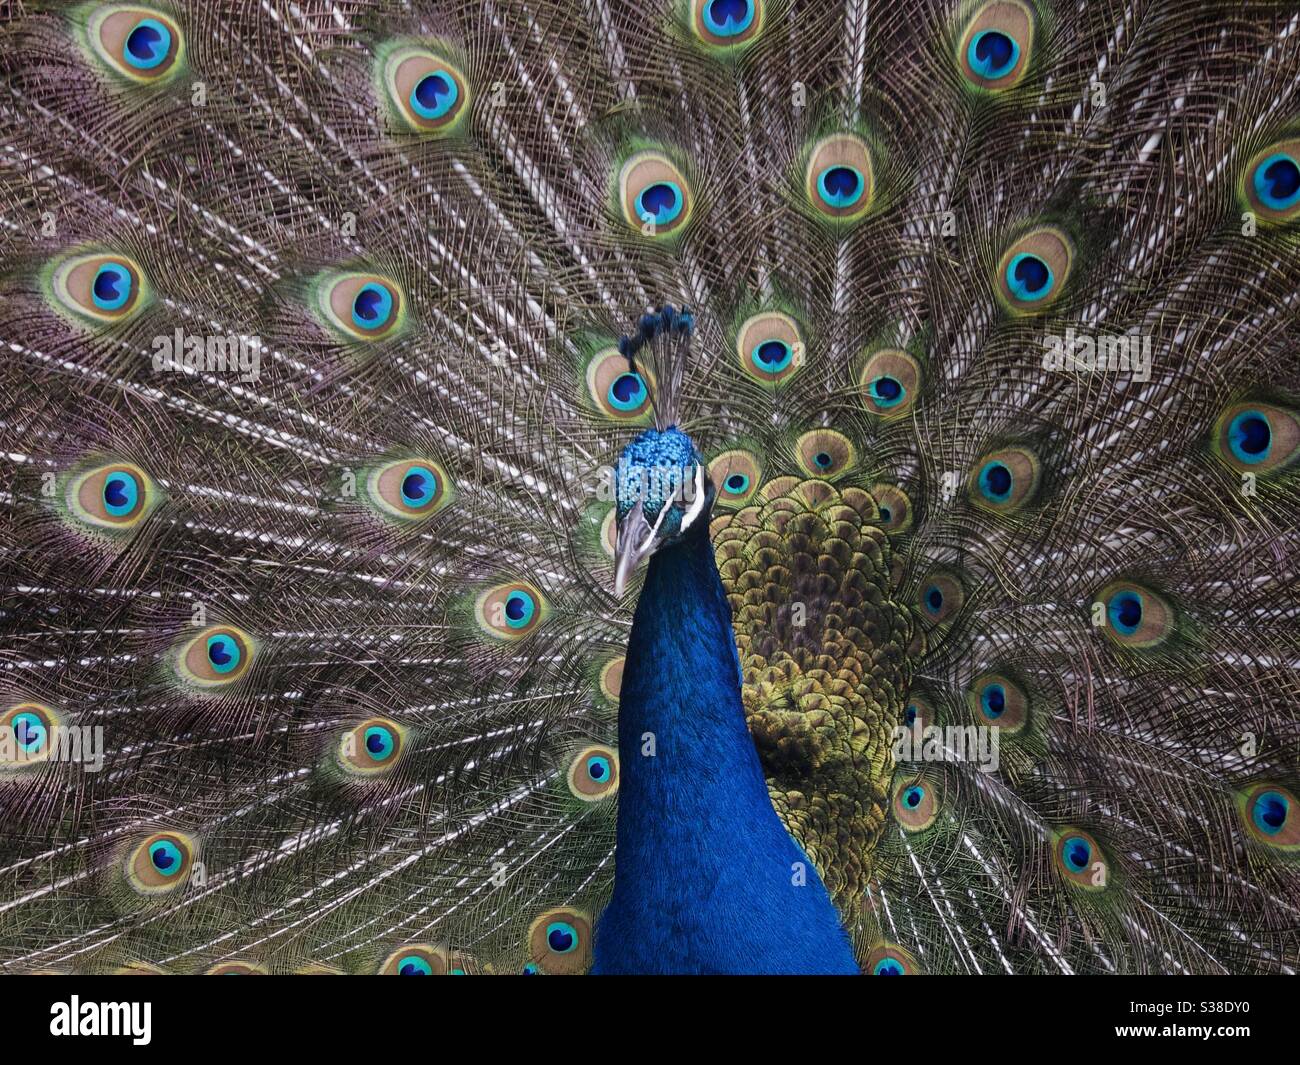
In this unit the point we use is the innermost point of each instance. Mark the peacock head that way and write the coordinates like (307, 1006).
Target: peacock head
(664, 495)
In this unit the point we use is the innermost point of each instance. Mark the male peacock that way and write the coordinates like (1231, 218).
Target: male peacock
(968, 483)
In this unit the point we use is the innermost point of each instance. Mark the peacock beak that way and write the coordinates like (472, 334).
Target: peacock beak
(635, 540)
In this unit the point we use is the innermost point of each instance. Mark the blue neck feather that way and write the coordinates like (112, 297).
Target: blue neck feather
(707, 879)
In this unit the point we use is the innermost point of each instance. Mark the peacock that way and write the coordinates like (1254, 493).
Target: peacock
(650, 486)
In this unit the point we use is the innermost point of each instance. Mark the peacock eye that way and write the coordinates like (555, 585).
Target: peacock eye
(510, 611)
(593, 774)
(1034, 269)
(890, 379)
(1006, 480)
(530, 969)
(916, 805)
(770, 347)
(1272, 181)
(136, 42)
(410, 489)
(360, 306)
(726, 23)
(737, 474)
(1135, 616)
(99, 288)
(825, 453)
(416, 959)
(1269, 812)
(30, 726)
(995, 47)
(895, 507)
(918, 713)
(611, 679)
(1257, 437)
(654, 194)
(997, 700)
(941, 597)
(616, 390)
(838, 180)
(217, 656)
(160, 863)
(1080, 860)
(426, 92)
(891, 960)
(559, 941)
(371, 747)
(114, 497)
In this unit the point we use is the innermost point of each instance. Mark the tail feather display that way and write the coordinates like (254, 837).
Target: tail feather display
(339, 341)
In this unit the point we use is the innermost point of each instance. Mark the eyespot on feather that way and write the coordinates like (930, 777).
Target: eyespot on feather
(1135, 616)
(1270, 183)
(593, 773)
(890, 381)
(136, 43)
(654, 195)
(895, 507)
(28, 732)
(360, 306)
(371, 748)
(426, 92)
(416, 959)
(512, 610)
(942, 596)
(737, 474)
(996, 46)
(1080, 861)
(114, 497)
(724, 25)
(216, 657)
(916, 803)
(611, 678)
(1005, 480)
(99, 288)
(1034, 270)
(618, 391)
(997, 701)
(770, 347)
(1271, 816)
(160, 863)
(889, 959)
(825, 453)
(559, 942)
(411, 489)
(1257, 437)
(839, 179)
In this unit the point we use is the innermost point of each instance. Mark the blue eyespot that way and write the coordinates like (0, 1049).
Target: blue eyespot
(372, 306)
(121, 493)
(166, 857)
(1250, 437)
(598, 768)
(909, 714)
(660, 202)
(933, 599)
(887, 391)
(737, 484)
(519, 609)
(912, 796)
(627, 391)
(1029, 278)
(840, 186)
(993, 701)
(414, 965)
(379, 742)
(727, 18)
(1125, 612)
(995, 482)
(223, 653)
(1270, 811)
(30, 732)
(1077, 854)
(1277, 182)
(148, 44)
(888, 967)
(530, 969)
(992, 54)
(885, 514)
(823, 460)
(561, 937)
(434, 95)
(111, 287)
(772, 356)
(419, 486)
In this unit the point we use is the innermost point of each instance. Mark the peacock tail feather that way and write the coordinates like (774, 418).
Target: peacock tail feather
(316, 380)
